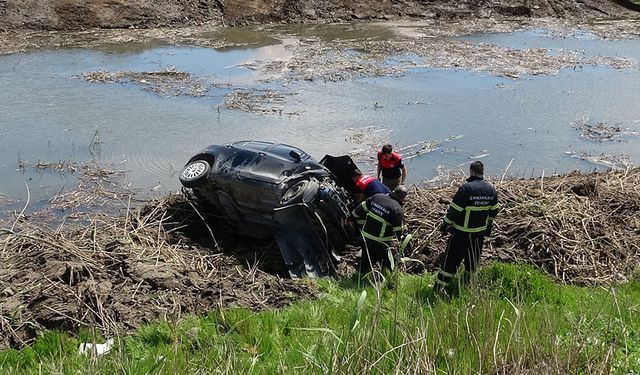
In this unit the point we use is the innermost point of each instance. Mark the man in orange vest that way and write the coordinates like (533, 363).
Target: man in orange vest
(390, 166)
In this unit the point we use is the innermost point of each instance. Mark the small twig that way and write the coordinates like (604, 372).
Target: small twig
(24, 208)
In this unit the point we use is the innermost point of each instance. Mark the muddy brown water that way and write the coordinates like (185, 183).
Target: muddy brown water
(518, 127)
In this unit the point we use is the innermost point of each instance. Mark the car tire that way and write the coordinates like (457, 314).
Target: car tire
(295, 193)
(302, 191)
(195, 173)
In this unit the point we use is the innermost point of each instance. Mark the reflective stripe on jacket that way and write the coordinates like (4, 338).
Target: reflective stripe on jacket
(473, 207)
(380, 218)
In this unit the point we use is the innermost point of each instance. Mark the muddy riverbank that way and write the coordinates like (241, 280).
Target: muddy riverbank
(76, 14)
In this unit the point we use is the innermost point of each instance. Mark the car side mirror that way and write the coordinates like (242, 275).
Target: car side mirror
(295, 156)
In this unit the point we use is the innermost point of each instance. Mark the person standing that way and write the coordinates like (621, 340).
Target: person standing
(380, 221)
(468, 219)
(390, 165)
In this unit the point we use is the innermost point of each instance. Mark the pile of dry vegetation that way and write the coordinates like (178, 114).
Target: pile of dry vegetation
(580, 228)
(157, 262)
(161, 261)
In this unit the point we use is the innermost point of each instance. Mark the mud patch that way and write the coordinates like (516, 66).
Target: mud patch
(97, 258)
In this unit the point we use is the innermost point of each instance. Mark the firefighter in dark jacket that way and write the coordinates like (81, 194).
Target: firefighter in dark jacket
(468, 219)
(380, 221)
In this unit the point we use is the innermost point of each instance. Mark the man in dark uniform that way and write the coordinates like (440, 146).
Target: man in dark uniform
(390, 165)
(468, 219)
(367, 186)
(380, 220)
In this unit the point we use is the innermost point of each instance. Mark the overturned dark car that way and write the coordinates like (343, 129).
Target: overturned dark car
(267, 190)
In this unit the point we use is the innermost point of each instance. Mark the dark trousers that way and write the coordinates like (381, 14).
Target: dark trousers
(461, 247)
(374, 252)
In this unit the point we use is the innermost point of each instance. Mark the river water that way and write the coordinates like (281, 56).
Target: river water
(518, 127)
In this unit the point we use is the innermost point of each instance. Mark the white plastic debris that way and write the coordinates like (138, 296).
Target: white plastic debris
(95, 349)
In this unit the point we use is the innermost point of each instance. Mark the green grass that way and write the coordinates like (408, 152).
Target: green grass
(511, 319)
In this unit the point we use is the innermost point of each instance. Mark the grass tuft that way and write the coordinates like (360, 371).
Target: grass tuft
(509, 319)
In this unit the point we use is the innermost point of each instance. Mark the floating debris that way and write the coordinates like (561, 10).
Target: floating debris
(258, 101)
(615, 162)
(613, 62)
(58, 166)
(367, 140)
(453, 137)
(168, 82)
(418, 149)
(601, 131)
(445, 176)
(480, 156)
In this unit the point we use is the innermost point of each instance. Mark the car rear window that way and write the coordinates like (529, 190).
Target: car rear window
(284, 150)
(253, 145)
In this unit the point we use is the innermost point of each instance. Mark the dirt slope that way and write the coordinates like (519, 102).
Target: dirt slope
(79, 14)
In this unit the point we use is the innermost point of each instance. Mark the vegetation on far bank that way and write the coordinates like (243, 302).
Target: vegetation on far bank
(511, 319)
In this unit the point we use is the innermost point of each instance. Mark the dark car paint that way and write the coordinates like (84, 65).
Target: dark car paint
(247, 183)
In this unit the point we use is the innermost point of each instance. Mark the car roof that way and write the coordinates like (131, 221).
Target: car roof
(280, 150)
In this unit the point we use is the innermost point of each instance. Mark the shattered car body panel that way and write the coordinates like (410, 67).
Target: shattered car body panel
(267, 190)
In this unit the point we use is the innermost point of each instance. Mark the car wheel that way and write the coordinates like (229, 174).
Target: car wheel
(195, 173)
(303, 191)
(295, 193)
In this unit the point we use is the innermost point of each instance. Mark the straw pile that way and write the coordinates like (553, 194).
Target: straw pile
(113, 274)
(580, 228)
(162, 261)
